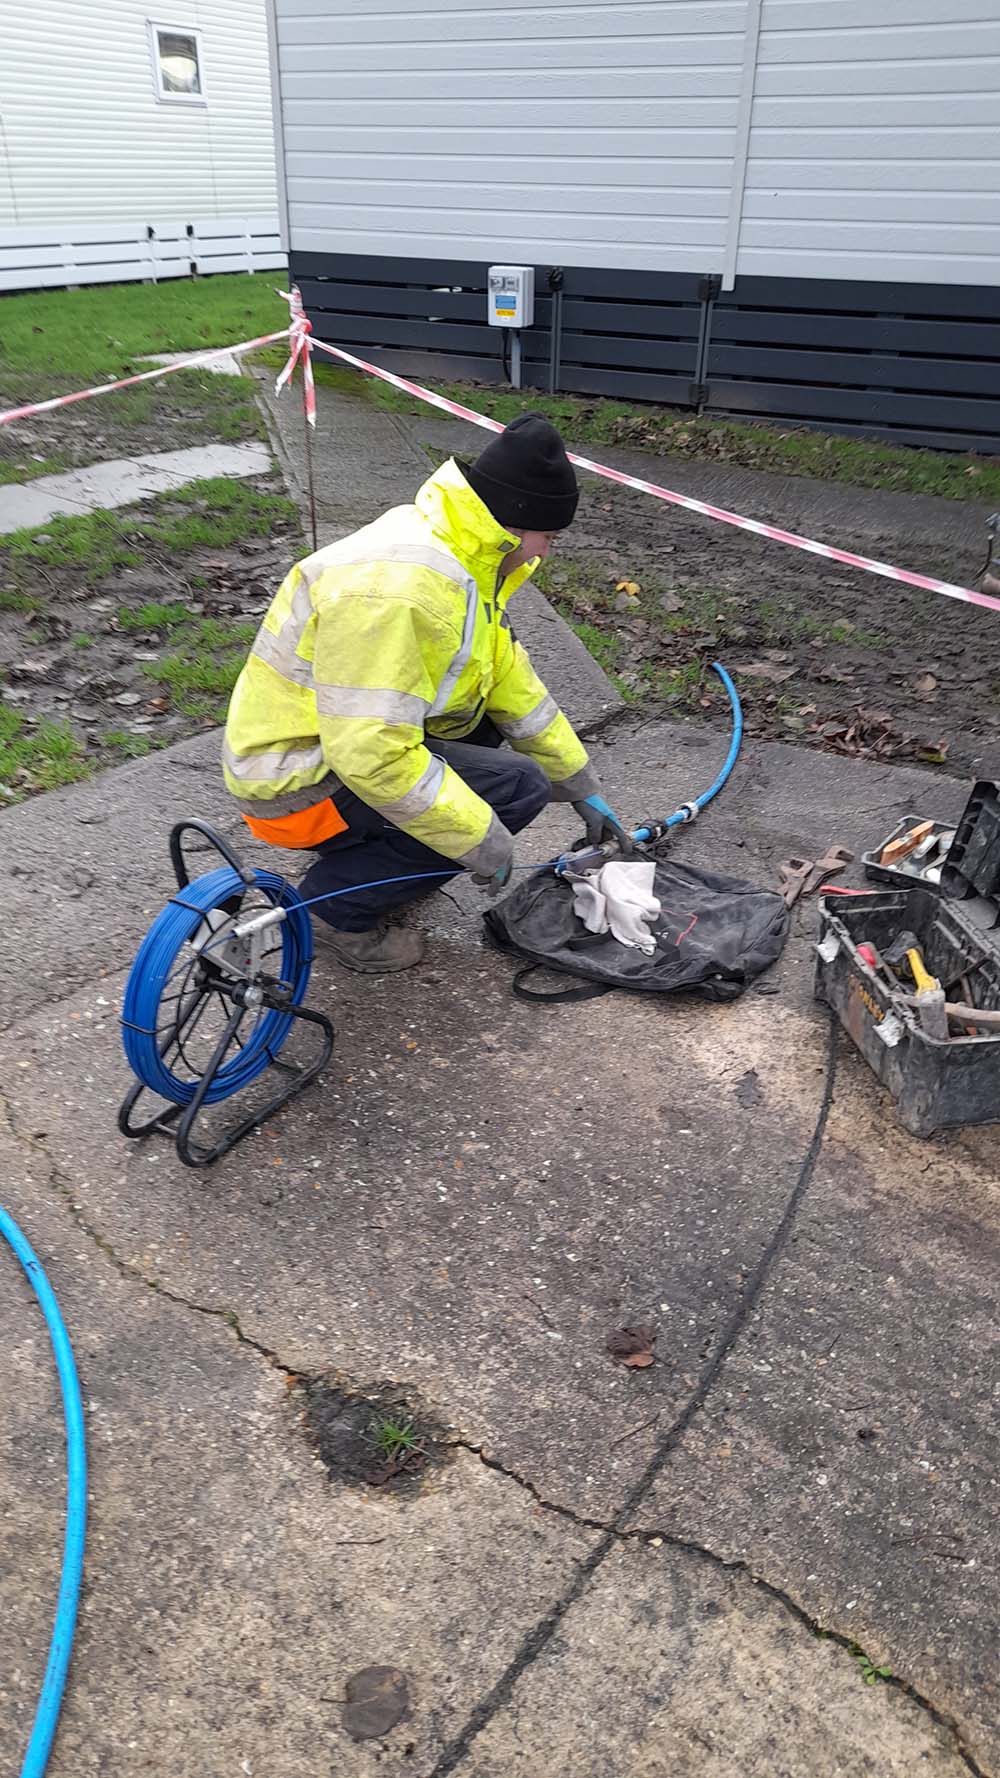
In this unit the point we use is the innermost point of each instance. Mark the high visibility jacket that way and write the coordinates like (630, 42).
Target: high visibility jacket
(371, 648)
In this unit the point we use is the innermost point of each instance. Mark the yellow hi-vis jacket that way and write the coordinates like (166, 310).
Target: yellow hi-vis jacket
(396, 633)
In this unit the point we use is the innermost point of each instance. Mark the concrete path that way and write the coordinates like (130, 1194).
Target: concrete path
(122, 482)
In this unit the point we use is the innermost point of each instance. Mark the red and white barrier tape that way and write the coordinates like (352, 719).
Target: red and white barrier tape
(145, 376)
(925, 582)
(301, 347)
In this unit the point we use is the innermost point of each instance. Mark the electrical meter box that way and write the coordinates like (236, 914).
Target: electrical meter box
(511, 295)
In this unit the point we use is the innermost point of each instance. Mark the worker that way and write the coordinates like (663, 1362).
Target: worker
(367, 723)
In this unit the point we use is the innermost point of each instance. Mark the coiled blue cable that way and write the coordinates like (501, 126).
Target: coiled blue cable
(156, 956)
(60, 1647)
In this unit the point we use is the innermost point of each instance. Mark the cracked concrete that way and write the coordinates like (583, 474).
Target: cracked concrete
(619, 1574)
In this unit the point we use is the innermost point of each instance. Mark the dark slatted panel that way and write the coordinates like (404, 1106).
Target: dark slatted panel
(920, 364)
(632, 334)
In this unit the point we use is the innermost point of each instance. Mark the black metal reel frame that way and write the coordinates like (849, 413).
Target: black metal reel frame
(179, 1120)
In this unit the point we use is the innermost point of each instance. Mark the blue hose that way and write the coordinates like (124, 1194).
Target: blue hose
(50, 1701)
(702, 801)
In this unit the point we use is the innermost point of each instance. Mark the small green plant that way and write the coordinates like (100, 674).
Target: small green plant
(871, 1674)
(394, 1439)
(675, 684)
(83, 640)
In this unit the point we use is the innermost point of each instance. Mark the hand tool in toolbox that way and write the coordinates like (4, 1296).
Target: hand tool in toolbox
(896, 961)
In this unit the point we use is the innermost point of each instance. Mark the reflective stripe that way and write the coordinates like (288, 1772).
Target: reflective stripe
(418, 800)
(380, 705)
(521, 728)
(460, 660)
(279, 650)
(364, 549)
(251, 768)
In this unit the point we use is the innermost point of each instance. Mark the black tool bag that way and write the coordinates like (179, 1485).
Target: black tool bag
(714, 935)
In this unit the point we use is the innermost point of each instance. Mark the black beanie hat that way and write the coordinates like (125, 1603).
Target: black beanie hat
(525, 478)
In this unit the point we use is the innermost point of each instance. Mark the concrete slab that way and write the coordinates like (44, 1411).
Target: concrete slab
(231, 1589)
(477, 1192)
(122, 482)
(669, 1667)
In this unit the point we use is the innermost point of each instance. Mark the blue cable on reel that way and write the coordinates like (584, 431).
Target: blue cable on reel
(175, 927)
(50, 1700)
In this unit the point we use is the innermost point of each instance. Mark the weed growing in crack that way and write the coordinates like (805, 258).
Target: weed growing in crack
(394, 1439)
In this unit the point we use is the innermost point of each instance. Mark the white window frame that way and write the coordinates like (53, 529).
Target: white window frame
(162, 96)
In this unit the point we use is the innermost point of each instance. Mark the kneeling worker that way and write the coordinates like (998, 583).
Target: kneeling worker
(366, 723)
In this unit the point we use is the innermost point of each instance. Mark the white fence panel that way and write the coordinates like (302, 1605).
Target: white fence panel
(51, 256)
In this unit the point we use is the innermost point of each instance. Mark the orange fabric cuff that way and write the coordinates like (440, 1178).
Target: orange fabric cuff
(298, 832)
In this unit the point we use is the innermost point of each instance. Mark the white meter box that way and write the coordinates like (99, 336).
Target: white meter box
(511, 296)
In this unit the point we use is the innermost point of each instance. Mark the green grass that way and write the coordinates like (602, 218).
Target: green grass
(152, 616)
(99, 332)
(129, 746)
(605, 649)
(200, 673)
(84, 641)
(215, 512)
(394, 1439)
(39, 759)
(820, 456)
(27, 469)
(14, 598)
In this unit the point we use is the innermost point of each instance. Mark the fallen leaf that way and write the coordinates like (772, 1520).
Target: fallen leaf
(839, 675)
(631, 587)
(926, 682)
(633, 1346)
(376, 1699)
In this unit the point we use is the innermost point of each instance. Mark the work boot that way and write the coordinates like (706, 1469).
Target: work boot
(382, 950)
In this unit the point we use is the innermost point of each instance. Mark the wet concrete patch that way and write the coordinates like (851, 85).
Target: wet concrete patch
(380, 1438)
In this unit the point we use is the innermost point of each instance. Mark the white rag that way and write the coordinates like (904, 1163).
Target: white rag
(619, 898)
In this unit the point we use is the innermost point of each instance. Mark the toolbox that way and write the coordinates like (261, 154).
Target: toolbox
(936, 1084)
(925, 865)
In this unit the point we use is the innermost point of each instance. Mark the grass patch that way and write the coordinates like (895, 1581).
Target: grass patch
(393, 1437)
(84, 640)
(27, 469)
(39, 759)
(153, 616)
(821, 456)
(101, 331)
(14, 598)
(128, 746)
(674, 685)
(606, 650)
(215, 512)
(205, 665)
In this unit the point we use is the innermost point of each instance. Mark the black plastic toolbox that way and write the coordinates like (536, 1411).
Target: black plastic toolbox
(936, 1084)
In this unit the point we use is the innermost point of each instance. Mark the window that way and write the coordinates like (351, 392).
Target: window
(177, 64)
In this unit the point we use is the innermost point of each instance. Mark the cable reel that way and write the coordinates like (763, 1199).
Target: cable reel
(214, 994)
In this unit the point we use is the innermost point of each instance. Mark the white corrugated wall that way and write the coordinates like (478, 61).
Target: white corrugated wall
(82, 133)
(598, 134)
(608, 133)
(875, 142)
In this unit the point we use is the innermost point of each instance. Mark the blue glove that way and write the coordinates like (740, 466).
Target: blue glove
(492, 886)
(602, 824)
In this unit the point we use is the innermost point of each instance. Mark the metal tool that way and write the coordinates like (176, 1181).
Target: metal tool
(800, 876)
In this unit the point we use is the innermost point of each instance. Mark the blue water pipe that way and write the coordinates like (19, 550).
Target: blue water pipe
(60, 1647)
(690, 811)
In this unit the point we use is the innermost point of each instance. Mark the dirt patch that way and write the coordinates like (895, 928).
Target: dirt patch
(376, 1439)
(125, 631)
(824, 656)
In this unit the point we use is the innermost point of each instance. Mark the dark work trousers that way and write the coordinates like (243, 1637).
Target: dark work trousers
(372, 848)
